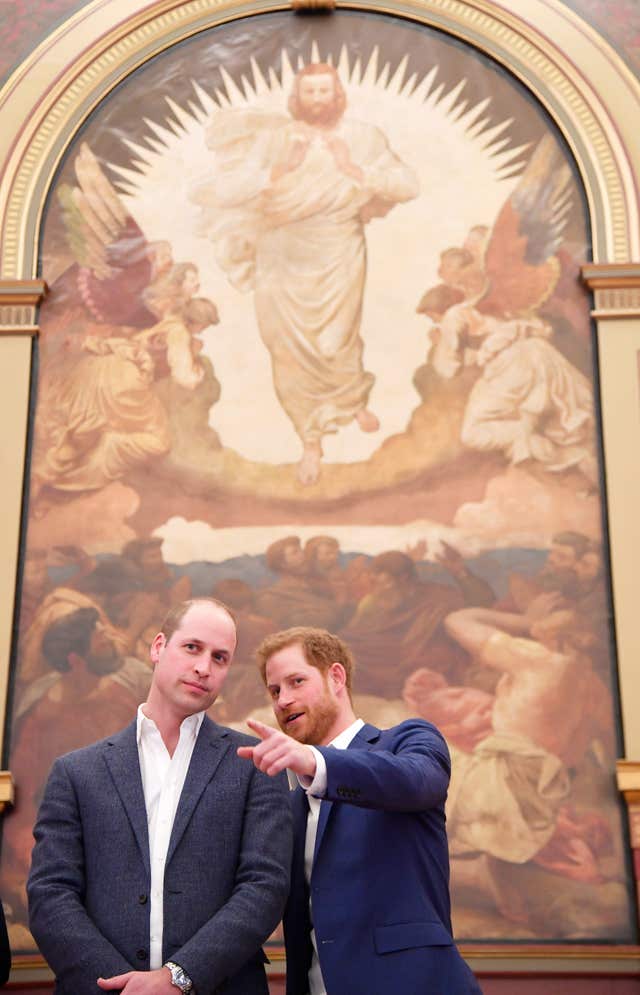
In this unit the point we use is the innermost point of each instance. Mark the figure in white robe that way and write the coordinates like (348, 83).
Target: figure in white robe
(530, 402)
(286, 210)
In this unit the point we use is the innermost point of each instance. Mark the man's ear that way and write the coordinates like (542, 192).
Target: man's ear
(157, 645)
(337, 676)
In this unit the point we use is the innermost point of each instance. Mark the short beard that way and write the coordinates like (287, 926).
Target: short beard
(328, 119)
(319, 721)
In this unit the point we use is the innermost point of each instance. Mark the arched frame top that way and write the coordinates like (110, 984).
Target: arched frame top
(588, 96)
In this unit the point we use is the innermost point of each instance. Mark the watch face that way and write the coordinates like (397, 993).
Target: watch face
(179, 978)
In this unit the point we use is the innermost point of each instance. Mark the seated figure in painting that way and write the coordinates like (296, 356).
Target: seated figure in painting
(105, 417)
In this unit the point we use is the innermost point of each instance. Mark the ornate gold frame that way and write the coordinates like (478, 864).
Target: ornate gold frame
(568, 93)
(583, 85)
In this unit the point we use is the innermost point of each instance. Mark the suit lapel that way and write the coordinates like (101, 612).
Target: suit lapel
(363, 739)
(121, 757)
(210, 747)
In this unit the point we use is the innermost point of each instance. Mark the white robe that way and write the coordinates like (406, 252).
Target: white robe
(298, 241)
(530, 402)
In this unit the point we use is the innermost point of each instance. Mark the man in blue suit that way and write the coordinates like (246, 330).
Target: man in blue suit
(161, 861)
(369, 910)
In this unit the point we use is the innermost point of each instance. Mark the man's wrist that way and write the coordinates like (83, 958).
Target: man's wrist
(179, 977)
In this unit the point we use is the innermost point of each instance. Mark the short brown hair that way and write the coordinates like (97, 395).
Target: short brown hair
(320, 648)
(174, 616)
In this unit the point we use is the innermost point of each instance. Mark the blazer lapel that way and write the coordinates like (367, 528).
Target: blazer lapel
(121, 757)
(210, 747)
(362, 740)
(299, 812)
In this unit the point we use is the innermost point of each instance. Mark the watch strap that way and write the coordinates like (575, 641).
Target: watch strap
(179, 977)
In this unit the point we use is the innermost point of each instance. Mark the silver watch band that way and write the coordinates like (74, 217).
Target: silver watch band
(179, 977)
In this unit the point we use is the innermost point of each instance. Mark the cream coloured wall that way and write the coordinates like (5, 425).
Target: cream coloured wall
(15, 360)
(619, 348)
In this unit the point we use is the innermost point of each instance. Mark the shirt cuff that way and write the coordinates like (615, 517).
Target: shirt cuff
(316, 785)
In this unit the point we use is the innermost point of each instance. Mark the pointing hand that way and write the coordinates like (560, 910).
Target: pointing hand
(277, 751)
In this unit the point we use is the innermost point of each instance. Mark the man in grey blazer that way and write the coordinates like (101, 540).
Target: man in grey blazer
(161, 861)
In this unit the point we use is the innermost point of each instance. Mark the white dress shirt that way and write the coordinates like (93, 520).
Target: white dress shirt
(315, 789)
(163, 778)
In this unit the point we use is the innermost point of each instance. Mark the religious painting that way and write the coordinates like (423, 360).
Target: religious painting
(315, 345)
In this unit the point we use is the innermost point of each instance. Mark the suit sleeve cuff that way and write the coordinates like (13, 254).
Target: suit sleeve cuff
(316, 785)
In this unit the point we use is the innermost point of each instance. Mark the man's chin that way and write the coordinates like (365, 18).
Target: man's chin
(296, 731)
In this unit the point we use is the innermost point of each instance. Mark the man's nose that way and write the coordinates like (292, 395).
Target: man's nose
(202, 664)
(285, 699)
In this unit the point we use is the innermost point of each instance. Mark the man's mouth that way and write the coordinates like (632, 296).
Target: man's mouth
(292, 718)
(195, 687)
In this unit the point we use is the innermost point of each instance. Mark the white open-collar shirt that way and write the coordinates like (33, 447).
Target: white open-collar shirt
(163, 778)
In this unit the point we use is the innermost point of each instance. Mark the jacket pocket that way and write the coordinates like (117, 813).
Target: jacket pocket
(404, 935)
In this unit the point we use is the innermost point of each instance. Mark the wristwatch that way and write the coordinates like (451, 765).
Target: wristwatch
(179, 978)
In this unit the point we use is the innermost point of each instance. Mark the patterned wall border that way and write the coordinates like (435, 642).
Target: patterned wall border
(590, 129)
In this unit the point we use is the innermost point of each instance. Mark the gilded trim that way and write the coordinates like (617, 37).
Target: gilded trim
(545, 69)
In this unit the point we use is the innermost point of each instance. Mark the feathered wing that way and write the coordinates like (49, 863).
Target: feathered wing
(520, 262)
(93, 214)
(110, 250)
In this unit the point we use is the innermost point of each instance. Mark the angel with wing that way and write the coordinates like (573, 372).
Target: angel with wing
(529, 401)
(286, 210)
(103, 413)
(114, 267)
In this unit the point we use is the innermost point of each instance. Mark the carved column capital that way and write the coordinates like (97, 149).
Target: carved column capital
(616, 289)
(19, 300)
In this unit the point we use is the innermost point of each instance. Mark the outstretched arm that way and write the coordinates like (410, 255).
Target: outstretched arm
(472, 627)
(412, 776)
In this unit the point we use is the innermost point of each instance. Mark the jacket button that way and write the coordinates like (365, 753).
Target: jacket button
(143, 899)
(141, 954)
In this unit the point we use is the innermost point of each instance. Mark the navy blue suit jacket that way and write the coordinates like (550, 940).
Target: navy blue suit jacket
(380, 878)
(226, 874)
